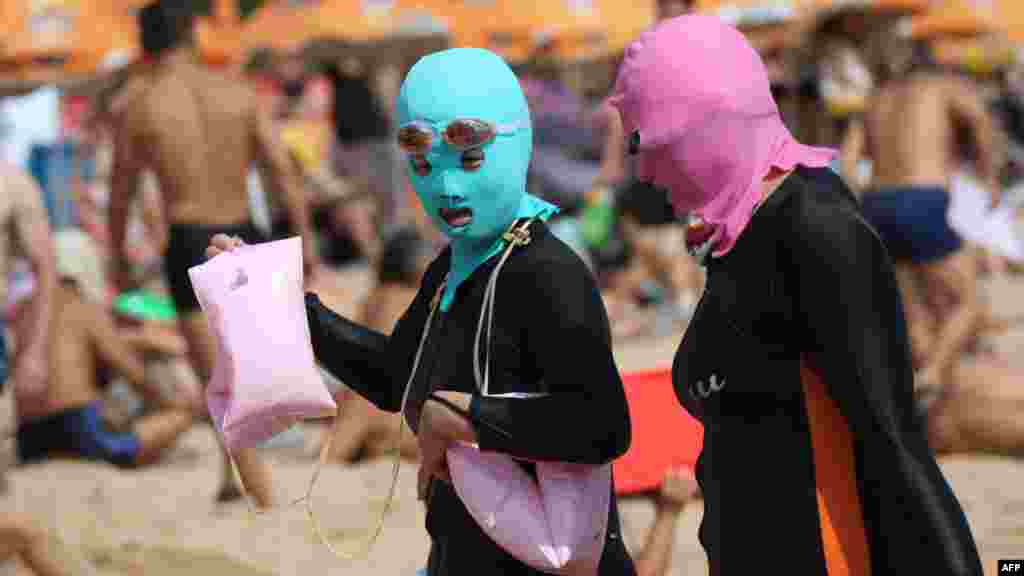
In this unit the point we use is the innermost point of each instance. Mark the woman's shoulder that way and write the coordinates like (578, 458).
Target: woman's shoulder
(819, 209)
(546, 259)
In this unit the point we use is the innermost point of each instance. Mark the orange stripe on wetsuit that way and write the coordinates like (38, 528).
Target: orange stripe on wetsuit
(843, 535)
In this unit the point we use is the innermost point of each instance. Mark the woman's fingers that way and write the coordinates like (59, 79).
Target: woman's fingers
(223, 243)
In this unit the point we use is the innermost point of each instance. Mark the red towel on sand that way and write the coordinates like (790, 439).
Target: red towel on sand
(665, 436)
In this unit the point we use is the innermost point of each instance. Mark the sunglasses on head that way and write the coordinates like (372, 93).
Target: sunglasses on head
(417, 137)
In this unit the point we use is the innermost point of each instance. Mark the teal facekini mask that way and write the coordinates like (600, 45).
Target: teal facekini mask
(465, 128)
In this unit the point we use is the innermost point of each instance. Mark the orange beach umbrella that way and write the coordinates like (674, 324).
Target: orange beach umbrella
(1011, 14)
(70, 36)
(278, 25)
(956, 19)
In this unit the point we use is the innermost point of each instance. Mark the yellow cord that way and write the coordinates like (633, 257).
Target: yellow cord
(362, 551)
(307, 498)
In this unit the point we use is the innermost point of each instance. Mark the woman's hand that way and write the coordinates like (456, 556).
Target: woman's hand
(439, 428)
(677, 489)
(222, 243)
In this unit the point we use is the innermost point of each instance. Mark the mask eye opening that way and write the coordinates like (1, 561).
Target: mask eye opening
(472, 159)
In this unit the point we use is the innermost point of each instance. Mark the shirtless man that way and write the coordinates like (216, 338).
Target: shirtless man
(24, 226)
(68, 419)
(25, 229)
(198, 131)
(910, 127)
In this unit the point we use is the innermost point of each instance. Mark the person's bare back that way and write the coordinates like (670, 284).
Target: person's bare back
(910, 131)
(912, 127)
(85, 344)
(195, 129)
(73, 366)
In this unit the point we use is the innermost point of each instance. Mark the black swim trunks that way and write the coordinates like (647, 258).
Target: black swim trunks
(186, 247)
(913, 222)
(80, 431)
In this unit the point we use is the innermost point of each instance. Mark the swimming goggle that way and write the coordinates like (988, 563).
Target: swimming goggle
(417, 137)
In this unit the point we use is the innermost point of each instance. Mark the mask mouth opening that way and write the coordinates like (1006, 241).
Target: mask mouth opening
(456, 217)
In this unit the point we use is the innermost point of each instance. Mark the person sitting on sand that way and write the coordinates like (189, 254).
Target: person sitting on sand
(925, 304)
(84, 340)
(366, 430)
(979, 410)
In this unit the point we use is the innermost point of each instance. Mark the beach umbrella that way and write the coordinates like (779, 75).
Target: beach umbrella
(219, 44)
(751, 13)
(372, 21)
(967, 35)
(956, 18)
(979, 55)
(279, 25)
(769, 25)
(219, 36)
(45, 30)
(566, 29)
(326, 28)
(856, 20)
(377, 32)
(49, 40)
(1011, 14)
(624, 20)
(504, 26)
(871, 6)
(110, 40)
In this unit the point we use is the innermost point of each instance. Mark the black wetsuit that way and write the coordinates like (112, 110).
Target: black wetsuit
(798, 364)
(551, 335)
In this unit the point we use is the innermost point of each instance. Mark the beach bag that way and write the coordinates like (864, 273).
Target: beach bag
(265, 378)
(557, 523)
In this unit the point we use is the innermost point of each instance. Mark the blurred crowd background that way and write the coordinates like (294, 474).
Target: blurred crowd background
(328, 72)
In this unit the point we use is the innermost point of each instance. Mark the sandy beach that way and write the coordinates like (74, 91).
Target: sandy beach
(162, 521)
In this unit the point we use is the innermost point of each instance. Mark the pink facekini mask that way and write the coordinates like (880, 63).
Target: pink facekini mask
(694, 97)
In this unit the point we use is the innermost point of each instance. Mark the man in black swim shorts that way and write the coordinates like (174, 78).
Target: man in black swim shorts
(198, 131)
